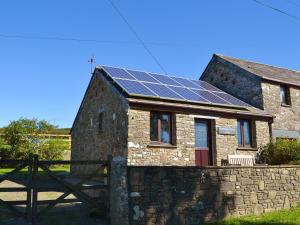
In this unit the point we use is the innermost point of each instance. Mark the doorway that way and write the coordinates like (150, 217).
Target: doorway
(203, 151)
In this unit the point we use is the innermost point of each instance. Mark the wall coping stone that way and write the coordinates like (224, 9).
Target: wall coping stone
(218, 167)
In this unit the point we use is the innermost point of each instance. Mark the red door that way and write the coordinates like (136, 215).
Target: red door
(203, 155)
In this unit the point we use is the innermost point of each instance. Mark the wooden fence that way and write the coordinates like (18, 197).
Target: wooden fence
(33, 187)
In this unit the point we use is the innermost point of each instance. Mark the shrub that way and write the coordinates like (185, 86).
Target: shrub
(5, 151)
(281, 151)
(53, 150)
(22, 137)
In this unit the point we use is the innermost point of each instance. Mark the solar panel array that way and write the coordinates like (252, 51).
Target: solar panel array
(169, 87)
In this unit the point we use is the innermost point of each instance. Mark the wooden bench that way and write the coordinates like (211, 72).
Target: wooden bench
(241, 160)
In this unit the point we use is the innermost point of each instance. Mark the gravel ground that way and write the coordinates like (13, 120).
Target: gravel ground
(22, 195)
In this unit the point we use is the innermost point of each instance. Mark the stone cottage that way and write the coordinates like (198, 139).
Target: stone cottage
(154, 119)
(272, 89)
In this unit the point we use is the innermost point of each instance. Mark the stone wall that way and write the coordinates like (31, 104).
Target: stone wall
(227, 144)
(234, 80)
(87, 142)
(286, 117)
(140, 152)
(192, 195)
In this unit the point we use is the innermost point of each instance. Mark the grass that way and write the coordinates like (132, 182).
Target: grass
(41, 172)
(283, 217)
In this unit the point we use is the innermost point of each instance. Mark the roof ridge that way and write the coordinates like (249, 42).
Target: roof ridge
(264, 64)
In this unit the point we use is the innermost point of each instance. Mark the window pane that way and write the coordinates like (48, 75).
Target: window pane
(247, 134)
(239, 133)
(154, 127)
(201, 134)
(283, 95)
(165, 129)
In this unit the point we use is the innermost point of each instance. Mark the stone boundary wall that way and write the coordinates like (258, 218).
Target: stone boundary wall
(192, 195)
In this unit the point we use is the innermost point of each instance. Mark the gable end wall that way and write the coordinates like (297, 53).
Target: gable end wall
(87, 142)
(235, 81)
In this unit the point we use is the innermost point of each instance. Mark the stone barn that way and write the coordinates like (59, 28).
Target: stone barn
(273, 89)
(152, 119)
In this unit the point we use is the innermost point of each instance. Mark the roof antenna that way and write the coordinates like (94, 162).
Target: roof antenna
(92, 61)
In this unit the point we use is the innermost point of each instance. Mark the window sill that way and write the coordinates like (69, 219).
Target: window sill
(246, 149)
(285, 105)
(157, 145)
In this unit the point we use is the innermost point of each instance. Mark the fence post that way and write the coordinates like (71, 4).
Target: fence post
(34, 189)
(119, 209)
(29, 188)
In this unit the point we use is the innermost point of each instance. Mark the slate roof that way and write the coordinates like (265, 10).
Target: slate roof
(267, 72)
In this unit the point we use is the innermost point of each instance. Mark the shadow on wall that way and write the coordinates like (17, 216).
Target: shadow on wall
(175, 196)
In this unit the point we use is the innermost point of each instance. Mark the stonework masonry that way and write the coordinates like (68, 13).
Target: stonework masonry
(118, 191)
(87, 142)
(235, 81)
(140, 152)
(259, 93)
(227, 144)
(192, 195)
(286, 117)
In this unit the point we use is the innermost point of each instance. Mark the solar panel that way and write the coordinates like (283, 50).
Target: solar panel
(165, 79)
(163, 91)
(181, 89)
(142, 76)
(134, 87)
(230, 99)
(187, 94)
(186, 82)
(209, 96)
(207, 86)
(118, 73)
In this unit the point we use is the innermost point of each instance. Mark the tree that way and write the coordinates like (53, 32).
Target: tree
(23, 136)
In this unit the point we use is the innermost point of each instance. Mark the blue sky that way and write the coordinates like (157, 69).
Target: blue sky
(46, 79)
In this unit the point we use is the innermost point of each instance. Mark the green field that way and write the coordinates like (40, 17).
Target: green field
(284, 217)
(41, 172)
